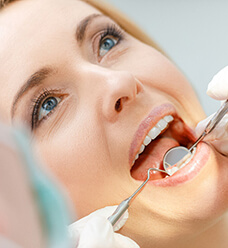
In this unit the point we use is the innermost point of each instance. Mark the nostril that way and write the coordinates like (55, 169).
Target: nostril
(118, 105)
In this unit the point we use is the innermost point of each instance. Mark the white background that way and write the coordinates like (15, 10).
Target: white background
(194, 34)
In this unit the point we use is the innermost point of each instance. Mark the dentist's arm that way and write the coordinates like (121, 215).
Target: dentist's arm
(33, 208)
(19, 222)
(218, 89)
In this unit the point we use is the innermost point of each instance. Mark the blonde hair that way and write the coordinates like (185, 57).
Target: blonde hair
(117, 16)
(123, 21)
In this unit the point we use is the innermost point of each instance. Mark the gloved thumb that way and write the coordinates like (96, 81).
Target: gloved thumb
(218, 87)
(98, 233)
(104, 212)
(218, 137)
(95, 231)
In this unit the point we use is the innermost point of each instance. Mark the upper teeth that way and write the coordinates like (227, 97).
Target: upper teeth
(154, 132)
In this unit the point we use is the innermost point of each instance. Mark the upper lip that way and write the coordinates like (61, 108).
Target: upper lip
(145, 126)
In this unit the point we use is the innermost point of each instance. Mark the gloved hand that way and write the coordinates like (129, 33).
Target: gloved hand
(217, 89)
(27, 196)
(95, 231)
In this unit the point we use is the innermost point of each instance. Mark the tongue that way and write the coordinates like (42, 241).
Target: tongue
(152, 158)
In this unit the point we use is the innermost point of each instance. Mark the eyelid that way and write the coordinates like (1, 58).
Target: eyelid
(109, 30)
(51, 114)
(98, 26)
(37, 102)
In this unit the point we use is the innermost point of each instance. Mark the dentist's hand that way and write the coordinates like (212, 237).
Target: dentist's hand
(95, 231)
(217, 89)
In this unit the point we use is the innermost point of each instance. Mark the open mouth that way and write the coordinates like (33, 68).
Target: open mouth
(169, 131)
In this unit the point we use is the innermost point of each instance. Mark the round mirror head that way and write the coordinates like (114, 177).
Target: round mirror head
(175, 156)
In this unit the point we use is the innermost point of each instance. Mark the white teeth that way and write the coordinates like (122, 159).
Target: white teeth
(147, 140)
(162, 124)
(178, 167)
(168, 118)
(154, 132)
(137, 156)
(141, 148)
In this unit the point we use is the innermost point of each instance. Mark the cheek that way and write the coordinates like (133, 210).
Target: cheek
(80, 162)
(159, 72)
(155, 71)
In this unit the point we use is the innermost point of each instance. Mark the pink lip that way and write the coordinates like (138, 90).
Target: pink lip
(189, 171)
(150, 121)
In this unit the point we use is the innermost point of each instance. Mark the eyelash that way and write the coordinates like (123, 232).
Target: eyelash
(36, 105)
(111, 30)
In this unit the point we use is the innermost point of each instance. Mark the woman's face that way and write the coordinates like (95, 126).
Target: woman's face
(91, 93)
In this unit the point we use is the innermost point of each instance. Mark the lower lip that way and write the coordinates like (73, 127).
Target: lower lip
(189, 171)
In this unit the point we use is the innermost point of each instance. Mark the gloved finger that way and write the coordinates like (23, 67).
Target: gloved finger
(218, 137)
(125, 242)
(108, 211)
(97, 232)
(100, 233)
(221, 146)
(220, 132)
(218, 87)
(73, 236)
(104, 212)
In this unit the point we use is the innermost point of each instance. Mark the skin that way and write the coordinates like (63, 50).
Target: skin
(86, 141)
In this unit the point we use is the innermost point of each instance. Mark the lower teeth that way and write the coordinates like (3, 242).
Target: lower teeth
(175, 168)
(189, 159)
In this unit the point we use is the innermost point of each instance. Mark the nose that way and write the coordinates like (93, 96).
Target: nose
(121, 89)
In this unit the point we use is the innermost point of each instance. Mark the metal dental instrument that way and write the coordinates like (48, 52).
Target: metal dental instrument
(176, 156)
(125, 204)
(172, 162)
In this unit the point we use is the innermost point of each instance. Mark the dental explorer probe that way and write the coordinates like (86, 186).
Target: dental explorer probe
(125, 204)
(171, 158)
(176, 156)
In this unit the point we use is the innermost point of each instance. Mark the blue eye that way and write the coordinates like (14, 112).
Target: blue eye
(106, 45)
(47, 106)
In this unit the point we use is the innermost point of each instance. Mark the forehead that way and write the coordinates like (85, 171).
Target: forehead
(32, 31)
(24, 19)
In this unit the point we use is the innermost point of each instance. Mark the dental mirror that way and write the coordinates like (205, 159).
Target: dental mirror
(176, 157)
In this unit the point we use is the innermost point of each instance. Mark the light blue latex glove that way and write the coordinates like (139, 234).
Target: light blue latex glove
(217, 89)
(95, 231)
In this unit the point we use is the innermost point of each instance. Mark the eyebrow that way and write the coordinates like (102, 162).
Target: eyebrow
(82, 26)
(38, 77)
(34, 80)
